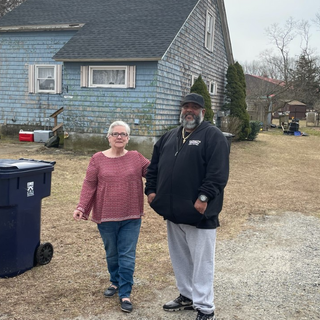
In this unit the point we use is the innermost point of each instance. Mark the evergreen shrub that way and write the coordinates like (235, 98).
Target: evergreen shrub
(200, 87)
(255, 128)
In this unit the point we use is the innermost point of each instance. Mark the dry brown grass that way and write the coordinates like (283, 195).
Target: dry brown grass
(273, 174)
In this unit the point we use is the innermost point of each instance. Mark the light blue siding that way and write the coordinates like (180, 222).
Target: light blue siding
(92, 110)
(17, 52)
(86, 110)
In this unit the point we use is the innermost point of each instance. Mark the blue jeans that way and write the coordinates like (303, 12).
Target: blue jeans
(120, 241)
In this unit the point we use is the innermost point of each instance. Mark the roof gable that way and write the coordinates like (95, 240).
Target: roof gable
(296, 103)
(266, 79)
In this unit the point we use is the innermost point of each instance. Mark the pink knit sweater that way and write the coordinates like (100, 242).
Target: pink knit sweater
(113, 187)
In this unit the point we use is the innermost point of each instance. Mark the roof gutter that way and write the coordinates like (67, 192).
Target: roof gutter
(53, 27)
(107, 59)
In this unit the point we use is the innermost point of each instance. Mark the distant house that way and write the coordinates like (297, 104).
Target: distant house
(295, 109)
(262, 97)
(107, 60)
(270, 96)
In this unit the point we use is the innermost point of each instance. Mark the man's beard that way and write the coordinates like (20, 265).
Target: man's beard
(197, 119)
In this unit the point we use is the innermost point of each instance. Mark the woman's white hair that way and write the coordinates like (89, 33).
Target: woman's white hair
(118, 123)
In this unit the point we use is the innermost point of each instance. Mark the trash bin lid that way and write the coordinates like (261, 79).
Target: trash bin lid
(228, 134)
(10, 166)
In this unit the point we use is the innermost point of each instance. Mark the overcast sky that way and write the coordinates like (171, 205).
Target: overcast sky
(248, 20)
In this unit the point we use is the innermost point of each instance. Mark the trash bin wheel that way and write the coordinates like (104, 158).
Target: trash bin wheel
(44, 253)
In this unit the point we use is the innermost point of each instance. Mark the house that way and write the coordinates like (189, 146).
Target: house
(295, 109)
(105, 60)
(268, 98)
(262, 97)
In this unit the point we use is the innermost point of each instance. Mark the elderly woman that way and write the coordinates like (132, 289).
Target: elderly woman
(113, 191)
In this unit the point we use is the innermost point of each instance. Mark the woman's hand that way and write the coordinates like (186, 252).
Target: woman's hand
(77, 215)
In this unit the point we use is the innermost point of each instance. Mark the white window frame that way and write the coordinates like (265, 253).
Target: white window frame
(86, 76)
(107, 68)
(34, 80)
(193, 79)
(209, 32)
(212, 88)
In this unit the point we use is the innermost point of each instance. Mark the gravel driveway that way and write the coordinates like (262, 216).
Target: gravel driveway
(270, 271)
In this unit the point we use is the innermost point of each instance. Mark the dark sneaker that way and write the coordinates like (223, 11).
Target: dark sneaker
(202, 316)
(110, 292)
(180, 303)
(126, 305)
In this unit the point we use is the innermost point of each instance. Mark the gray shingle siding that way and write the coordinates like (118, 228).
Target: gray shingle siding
(188, 56)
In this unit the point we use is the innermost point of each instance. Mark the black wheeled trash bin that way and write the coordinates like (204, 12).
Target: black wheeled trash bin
(23, 184)
(229, 137)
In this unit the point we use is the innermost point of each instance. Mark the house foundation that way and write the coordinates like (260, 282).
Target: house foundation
(91, 143)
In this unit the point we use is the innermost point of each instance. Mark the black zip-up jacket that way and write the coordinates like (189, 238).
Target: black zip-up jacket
(179, 173)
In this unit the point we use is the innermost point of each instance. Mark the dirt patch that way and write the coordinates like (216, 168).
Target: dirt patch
(10, 148)
(267, 257)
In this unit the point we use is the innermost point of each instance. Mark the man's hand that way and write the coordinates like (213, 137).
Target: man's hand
(151, 196)
(200, 206)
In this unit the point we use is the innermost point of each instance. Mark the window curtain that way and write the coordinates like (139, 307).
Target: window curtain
(112, 77)
(46, 78)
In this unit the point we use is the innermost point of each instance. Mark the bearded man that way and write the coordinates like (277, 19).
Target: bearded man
(185, 183)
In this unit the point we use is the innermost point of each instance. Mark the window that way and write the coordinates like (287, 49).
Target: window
(45, 79)
(212, 87)
(209, 36)
(108, 76)
(192, 80)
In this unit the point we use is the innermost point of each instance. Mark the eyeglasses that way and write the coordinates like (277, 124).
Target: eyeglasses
(117, 134)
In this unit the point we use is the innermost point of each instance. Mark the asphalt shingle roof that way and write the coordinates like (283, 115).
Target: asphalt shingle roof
(113, 29)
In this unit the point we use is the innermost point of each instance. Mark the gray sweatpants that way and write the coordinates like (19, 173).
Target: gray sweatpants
(192, 253)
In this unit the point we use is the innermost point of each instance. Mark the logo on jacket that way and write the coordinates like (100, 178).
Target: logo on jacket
(194, 142)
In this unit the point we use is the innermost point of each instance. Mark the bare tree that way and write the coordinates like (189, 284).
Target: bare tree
(304, 32)
(269, 66)
(266, 94)
(253, 67)
(279, 64)
(317, 20)
(282, 37)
